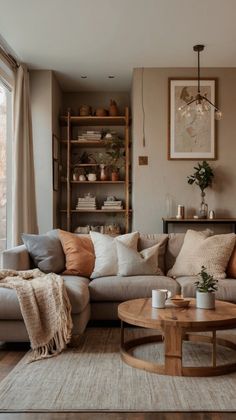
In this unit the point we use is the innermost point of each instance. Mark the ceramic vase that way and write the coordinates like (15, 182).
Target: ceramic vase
(203, 209)
(103, 174)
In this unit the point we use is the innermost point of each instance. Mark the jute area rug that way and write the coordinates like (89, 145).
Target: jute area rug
(93, 377)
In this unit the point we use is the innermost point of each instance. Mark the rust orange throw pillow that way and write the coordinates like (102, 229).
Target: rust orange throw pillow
(79, 253)
(231, 269)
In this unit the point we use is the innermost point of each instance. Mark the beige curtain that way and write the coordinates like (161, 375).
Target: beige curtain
(24, 201)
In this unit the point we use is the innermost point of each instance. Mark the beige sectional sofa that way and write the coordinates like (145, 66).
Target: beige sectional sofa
(98, 299)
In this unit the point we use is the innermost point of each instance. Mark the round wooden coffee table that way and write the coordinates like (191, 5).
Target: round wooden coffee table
(176, 325)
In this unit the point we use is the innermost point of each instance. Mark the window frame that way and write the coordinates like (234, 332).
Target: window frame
(7, 77)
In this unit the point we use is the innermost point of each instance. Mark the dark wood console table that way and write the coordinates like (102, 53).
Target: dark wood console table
(167, 221)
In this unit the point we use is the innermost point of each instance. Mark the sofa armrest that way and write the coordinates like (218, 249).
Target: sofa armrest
(16, 258)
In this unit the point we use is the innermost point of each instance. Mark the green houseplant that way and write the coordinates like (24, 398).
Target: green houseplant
(115, 153)
(202, 177)
(206, 287)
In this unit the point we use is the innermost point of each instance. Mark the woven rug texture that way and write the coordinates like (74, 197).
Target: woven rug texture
(93, 377)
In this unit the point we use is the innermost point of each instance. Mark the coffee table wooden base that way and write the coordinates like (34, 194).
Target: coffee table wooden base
(173, 354)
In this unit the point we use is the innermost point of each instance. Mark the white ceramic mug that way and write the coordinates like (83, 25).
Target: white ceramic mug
(159, 297)
(92, 177)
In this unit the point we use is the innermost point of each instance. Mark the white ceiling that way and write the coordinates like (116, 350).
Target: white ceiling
(110, 37)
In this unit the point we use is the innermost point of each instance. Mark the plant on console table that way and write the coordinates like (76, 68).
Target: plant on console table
(206, 287)
(203, 177)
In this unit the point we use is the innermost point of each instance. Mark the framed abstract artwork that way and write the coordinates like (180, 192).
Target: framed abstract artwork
(192, 135)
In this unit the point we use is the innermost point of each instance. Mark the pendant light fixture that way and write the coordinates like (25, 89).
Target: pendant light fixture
(202, 103)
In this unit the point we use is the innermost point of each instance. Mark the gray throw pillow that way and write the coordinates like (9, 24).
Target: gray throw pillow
(46, 251)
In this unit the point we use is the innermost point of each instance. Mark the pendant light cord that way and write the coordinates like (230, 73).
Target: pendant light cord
(143, 110)
(198, 70)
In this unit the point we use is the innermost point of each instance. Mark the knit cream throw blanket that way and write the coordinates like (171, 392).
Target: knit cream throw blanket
(45, 308)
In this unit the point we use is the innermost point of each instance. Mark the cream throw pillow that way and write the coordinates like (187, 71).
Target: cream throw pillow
(213, 252)
(106, 263)
(134, 263)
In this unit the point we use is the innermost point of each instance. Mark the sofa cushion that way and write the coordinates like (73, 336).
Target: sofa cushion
(77, 289)
(79, 253)
(118, 289)
(226, 288)
(46, 251)
(106, 262)
(199, 249)
(146, 240)
(134, 263)
(173, 248)
(231, 268)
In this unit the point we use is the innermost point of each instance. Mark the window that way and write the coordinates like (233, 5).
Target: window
(5, 166)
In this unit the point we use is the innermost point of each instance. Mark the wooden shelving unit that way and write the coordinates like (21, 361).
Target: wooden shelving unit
(68, 146)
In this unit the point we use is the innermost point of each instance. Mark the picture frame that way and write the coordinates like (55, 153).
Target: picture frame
(191, 137)
(55, 147)
(55, 175)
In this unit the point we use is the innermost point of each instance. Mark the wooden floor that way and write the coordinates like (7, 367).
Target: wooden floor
(10, 355)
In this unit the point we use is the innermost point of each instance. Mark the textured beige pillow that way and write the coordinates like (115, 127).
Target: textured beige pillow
(213, 252)
(134, 263)
(106, 263)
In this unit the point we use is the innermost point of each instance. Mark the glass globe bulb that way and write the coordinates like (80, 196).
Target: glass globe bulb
(206, 106)
(218, 114)
(199, 108)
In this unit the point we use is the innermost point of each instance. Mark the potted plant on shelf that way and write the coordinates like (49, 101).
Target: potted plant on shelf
(115, 152)
(203, 177)
(77, 172)
(206, 288)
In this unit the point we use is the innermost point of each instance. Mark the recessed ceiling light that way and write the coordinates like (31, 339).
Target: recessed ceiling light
(83, 77)
(111, 77)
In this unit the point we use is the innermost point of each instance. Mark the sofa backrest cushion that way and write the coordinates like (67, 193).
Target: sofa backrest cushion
(173, 248)
(146, 240)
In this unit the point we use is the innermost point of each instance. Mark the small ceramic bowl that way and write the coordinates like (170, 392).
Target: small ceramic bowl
(181, 302)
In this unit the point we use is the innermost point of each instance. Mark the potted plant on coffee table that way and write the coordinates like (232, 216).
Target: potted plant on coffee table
(206, 288)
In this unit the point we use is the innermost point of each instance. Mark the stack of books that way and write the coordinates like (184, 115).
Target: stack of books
(86, 203)
(90, 136)
(112, 205)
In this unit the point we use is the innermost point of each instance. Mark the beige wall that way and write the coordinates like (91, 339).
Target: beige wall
(45, 103)
(163, 181)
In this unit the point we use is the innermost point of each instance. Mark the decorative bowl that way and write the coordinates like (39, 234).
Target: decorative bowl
(181, 302)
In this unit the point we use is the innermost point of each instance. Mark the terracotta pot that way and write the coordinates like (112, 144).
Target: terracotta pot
(115, 176)
(113, 109)
(101, 112)
(85, 110)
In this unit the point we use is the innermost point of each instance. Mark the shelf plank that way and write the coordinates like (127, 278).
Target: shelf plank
(87, 164)
(94, 182)
(93, 120)
(97, 182)
(97, 211)
(89, 143)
